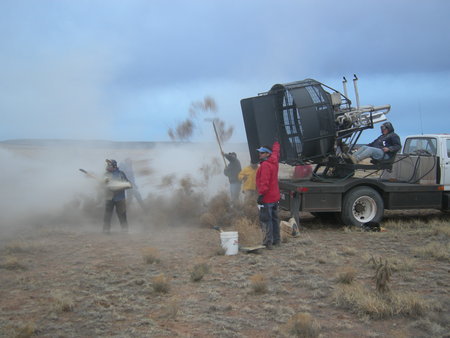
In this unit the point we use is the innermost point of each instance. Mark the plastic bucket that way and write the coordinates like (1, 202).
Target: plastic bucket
(229, 241)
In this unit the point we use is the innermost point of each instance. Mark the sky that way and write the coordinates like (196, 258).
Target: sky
(129, 70)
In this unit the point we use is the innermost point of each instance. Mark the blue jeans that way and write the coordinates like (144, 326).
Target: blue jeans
(270, 224)
(366, 152)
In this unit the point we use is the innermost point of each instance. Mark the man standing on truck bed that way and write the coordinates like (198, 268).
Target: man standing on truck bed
(269, 193)
(383, 148)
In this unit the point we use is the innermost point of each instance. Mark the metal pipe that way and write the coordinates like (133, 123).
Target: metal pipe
(355, 79)
(344, 84)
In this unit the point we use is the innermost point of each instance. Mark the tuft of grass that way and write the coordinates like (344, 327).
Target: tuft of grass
(258, 284)
(364, 302)
(346, 275)
(62, 302)
(170, 310)
(434, 250)
(25, 331)
(150, 255)
(302, 325)
(219, 251)
(199, 271)
(161, 284)
(18, 246)
(349, 251)
(300, 253)
(12, 263)
(402, 264)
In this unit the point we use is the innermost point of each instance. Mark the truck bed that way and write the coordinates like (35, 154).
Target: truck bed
(326, 196)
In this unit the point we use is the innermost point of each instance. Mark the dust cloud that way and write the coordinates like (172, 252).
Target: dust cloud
(43, 185)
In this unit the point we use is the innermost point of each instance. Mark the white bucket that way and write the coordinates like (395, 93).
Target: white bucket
(229, 240)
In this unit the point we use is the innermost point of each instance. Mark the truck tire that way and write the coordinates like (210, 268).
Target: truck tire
(362, 205)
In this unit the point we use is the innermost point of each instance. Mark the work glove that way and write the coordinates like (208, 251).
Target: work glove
(260, 199)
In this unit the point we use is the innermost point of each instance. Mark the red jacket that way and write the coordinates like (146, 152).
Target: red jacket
(267, 176)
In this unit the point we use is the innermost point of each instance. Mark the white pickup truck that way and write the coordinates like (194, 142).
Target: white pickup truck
(419, 179)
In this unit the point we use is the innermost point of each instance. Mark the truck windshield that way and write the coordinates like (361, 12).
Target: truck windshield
(420, 146)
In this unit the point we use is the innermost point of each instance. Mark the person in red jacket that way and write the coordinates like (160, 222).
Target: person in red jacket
(269, 193)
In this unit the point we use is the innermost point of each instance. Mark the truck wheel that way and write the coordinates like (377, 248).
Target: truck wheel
(362, 205)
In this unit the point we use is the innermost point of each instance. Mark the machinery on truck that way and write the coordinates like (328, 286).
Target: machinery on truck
(317, 125)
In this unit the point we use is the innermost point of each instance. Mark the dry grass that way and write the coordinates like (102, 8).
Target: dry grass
(12, 263)
(302, 325)
(208, 219)
(170, 309)
(346, 275)
(250, 233)
(365, 302)
(161, 284)
(62, 302)
(25, 331)
(434, 250)
(349, 251)
(199, 271)
(20, 246)
(219, 251)
(219, 210)
(258, 283)
(151, 255)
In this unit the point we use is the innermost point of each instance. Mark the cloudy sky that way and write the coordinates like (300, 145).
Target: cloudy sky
(129, 70)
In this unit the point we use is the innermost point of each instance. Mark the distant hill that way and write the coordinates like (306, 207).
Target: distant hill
(78, 143)
(96, 143)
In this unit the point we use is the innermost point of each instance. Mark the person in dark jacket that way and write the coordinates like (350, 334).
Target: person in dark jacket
(232, 171)
(116, 183)
(383, 148)
(269, 193)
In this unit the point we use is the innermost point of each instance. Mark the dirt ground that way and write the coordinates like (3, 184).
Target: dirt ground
(78, 282)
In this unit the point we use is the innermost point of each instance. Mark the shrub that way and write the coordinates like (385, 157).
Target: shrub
(12, 263)
(302, 325)
(62, 302)
(258, 283)
(250, 233)
(199, 271)
(150, 255)
(161, 284)
(346, 275)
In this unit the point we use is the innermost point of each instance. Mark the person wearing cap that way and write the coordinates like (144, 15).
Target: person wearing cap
(232, 171)
(248, 178)
(116, 182)
(383, 148)
(269, 193)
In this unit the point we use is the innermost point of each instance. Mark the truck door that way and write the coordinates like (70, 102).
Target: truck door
(446, 165)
